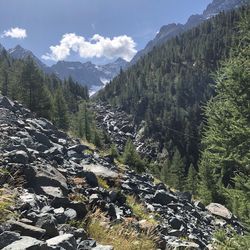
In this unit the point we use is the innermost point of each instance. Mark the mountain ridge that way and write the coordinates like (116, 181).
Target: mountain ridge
(171, 30)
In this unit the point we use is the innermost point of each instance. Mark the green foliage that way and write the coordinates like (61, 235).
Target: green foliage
(131, 157)
(60, 118)
(225, 163)
(192, 180)
(114, 154)
(232, 242)
(83, 125)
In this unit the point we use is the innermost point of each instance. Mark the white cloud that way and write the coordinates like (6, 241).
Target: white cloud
(97, 46)
(15, 33)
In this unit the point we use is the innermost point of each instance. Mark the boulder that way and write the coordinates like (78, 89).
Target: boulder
(163, 197)
(45, 176)
(7, 103)
(26, 243)
(41, 138)
(27, 230)
(65, 241)
(90, 178)
(219, 210)
(49, 223)
(6, 238)
(18, 156)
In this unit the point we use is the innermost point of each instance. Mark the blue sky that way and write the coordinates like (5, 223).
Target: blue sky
(89, 30)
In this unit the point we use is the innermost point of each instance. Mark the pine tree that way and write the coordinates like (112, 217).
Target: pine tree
(61, 112)
(192, 180)
(225, 162)
(5, 84)
(176, 175)
(131, 157)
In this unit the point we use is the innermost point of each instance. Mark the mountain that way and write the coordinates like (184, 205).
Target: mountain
(171, 30)
(94, 76)
(20, 53)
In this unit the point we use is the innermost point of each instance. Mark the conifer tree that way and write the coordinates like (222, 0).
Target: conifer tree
(61, 112)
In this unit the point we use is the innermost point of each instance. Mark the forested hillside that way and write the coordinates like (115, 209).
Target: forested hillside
(168, 88)
(46, 95)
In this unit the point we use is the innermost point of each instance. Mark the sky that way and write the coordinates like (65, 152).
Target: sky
(89, 30)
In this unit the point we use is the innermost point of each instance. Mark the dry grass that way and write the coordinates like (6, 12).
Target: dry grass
(102, 182)
(121, 236)
(140, 211)
(6, 201)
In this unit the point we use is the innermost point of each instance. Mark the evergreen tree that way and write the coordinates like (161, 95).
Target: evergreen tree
(192, 180)
(225, 162)
(131, 157)
(5, 84)
(61, 118)
(176, 174)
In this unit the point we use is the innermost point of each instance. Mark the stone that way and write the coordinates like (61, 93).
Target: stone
(79, 207)
(6, 238)
(27, 230)
(78, 148)
(80, 233)
(7, 103)
(49, 223)
(52, 191)
(18, 156)
(185, 196)
(163, 197)
(102, 247)
(41, 138)
(200, 205)
(219, 210)
(26, 243)
(175, 223)
(65, 241)
(70, 213)
(90, 178)
(45, 176)
(87, 245)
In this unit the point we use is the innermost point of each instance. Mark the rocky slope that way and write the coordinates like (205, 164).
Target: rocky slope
(171, 30)
(45, 170)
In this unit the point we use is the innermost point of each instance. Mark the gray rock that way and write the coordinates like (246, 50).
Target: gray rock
(102, 247)
(27, 230)
(6, 238)
(7, 103)
(65, 241)
(175, 223)
(70, 213)
(163, 197)
(45, 176)
(26, 243)
(18, 156)
(52, 191)
(219, 210)
(49, 223)
(41, 138)
(78, 148)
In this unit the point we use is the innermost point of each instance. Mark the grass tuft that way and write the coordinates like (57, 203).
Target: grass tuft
(121, 236)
